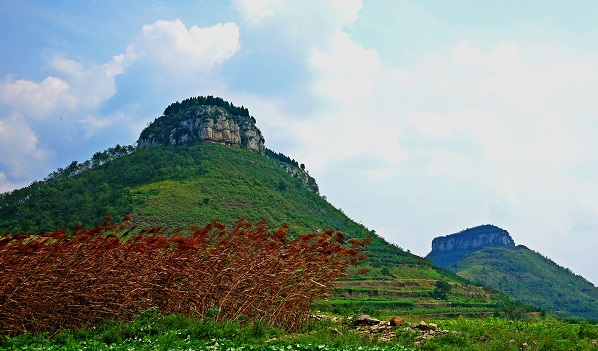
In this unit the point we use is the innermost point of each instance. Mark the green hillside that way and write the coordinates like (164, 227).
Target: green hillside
(531, 278)
(180, 186)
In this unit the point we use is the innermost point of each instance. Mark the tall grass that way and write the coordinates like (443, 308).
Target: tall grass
(57, 281)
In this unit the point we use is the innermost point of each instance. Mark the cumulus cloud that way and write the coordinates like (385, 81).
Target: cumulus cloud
(22, 153)
(344, 79)
(79, 86)
(345, 72)
(310, 22)
(37, 99)
(183, 50)
(90, 84)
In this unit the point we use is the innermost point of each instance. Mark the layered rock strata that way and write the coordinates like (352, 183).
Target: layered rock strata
(207, 124)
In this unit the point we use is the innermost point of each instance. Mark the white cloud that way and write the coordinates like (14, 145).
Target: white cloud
(310, 23)
(90, 84)
(256, 10)
(80, 87)
(21, 153)
(463, 53)
(347, 9)
(341, 12)
(345, 72)
(37, 100)
(183, 50)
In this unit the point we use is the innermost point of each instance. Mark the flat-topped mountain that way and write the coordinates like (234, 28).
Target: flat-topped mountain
(452, 248)
(487, 255)
(207, 119)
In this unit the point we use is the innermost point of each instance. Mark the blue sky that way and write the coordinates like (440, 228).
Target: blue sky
(417, 119)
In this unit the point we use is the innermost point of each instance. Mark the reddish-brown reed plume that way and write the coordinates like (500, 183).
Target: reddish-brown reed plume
(68, 281)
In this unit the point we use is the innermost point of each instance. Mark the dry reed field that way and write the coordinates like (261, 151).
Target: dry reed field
(78, 279)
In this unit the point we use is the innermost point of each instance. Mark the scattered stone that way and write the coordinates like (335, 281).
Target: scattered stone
(396, 320)
(319, 317)
(366, 319)
(386, 331)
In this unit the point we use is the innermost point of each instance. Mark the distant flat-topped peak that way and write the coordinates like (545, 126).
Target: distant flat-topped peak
(451, 248)
(473, 238)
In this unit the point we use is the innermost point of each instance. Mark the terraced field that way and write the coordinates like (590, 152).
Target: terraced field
(408, 298)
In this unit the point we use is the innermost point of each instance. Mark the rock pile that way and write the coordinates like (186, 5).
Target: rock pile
(427, 331)
(386, 330)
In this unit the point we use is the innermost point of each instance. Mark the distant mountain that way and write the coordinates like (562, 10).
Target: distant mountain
(488, 255)
(450, 249)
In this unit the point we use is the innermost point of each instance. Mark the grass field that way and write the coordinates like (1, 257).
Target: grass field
(152, 331)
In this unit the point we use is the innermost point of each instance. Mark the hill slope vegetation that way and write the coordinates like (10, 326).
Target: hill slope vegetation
(180, 186)
(532, 278)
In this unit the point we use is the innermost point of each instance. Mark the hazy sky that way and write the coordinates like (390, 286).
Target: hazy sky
(417, 118)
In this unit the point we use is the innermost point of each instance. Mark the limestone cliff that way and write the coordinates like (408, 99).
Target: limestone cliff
(452, 248)
(301, 175)
(210, 124)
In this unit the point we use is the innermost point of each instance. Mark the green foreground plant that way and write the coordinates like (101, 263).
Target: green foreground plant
(153, 331)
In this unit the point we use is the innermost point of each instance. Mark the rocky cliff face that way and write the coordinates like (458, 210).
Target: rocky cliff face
(449, 249)
(474, 238)
(301, 175)
(210, 124)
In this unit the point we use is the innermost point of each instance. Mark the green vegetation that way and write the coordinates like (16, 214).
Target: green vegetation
(209, 100)
(529, 277)
(182, 186)
(442, 289)
(153, 331)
